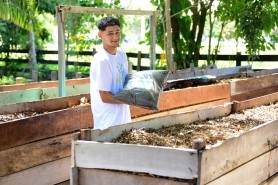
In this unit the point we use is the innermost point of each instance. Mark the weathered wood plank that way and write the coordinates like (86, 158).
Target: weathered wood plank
(262, 100)
(254, 172)
(43, 105)
(29, 95)
(26, 156)
(78, 9)
(228, 71)
(253, 84)
(271, 181)
(104, 177)
(263, 72)
(186, 97)
(254, 94)
(74, 172)
(70, 91)
(184, 109)
(44, 84)
(155, 123)
(179, 163)
(10, 97)
(49, 173)
(43, 126)
(221, 159)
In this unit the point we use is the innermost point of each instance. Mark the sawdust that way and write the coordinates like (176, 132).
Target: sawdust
(212, 131)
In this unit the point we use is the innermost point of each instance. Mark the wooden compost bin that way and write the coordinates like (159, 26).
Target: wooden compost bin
(250, 158)
(36, 150)
(33, 149)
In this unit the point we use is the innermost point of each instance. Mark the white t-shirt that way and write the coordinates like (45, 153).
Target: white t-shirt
(107, 73)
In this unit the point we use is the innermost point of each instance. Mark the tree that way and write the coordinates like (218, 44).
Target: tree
(21, 13)
(188, 21)
(255, 21)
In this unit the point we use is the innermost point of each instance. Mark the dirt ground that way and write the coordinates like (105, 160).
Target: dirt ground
(213, 131)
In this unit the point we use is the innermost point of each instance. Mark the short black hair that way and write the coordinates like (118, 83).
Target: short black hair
(108, 21)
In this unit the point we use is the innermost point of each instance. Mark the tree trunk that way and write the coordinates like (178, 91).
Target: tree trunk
(33, 58)
(195, 16)
(200, 32)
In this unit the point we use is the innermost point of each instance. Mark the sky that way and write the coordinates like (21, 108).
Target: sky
(137, 4)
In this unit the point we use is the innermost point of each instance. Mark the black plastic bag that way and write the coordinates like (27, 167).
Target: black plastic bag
(143, 88)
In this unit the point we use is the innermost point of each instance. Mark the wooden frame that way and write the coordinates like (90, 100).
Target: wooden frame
(61, 13)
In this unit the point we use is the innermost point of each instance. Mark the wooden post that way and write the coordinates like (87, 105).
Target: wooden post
(238, 59)
(19, 80)
(200, 145)
(169, 57)
(153, 43)
(61, 52)
(139, 55)
(129, 67)
(78, 75)
(74, 170)
(54, 75)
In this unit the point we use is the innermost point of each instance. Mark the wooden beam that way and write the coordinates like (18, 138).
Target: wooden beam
(29, 95)
(253, 94)
(153, 41)
(33, 154)
(10, 97)
(44, 84)
(92, 10)
(255, 102)
(49, 173)
(182, 110)
(169, 56)
(60, 14)
(22, 131)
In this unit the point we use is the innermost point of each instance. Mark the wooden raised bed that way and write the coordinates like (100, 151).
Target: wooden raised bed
(235, 161)
(36, 150)
(48, 134)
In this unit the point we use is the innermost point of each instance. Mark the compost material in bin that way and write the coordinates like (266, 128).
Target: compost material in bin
(213, 131)
(143, 88)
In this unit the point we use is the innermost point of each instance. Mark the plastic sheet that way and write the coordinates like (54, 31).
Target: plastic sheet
(143, 88)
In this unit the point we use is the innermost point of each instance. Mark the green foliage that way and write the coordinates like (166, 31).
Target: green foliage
(78, 27)
(256, 22)
(12, 36)
(19, 12)
(7, 80)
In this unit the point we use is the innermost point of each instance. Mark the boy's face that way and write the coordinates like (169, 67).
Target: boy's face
(111, 36)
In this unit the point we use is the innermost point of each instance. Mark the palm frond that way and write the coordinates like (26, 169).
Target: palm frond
(19, 12)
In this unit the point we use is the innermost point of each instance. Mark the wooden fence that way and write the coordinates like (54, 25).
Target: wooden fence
(5, 55)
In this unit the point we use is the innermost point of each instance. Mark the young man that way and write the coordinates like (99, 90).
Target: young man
(108, 70)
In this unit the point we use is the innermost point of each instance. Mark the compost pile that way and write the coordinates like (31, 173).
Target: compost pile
(213, 131)
(14, 116)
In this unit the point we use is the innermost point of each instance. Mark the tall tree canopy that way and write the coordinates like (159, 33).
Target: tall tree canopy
(254, 21)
